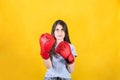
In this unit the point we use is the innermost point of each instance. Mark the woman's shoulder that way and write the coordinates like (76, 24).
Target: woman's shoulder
(71, 45)
(73, 50)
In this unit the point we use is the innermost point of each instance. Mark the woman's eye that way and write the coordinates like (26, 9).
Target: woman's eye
(56, 29)
(62, 29)
(59, 29)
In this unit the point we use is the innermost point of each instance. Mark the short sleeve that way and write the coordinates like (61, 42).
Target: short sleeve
(73, 50)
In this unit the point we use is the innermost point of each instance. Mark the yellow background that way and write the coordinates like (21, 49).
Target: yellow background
(94, 28)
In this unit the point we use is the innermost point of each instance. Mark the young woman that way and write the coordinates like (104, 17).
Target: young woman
(57, 52)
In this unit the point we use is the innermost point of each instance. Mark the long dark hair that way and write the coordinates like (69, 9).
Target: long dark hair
(65, 29)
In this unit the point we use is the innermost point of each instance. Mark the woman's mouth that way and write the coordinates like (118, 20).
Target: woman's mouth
(59, 35)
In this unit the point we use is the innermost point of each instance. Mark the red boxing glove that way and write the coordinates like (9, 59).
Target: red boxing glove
(46, 43)
(64, 50)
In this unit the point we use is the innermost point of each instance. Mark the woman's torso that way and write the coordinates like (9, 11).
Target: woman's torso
(59, 66)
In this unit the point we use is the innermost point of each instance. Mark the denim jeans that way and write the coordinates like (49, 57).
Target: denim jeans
(56, 78)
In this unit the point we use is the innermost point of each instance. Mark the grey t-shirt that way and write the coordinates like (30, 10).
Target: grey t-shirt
(59, 68)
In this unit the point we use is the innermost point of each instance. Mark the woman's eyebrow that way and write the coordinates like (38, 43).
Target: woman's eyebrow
(59, 29)
(56, 28)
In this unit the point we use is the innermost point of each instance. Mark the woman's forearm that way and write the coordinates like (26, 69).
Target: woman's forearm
(71, 67)
(48, 63)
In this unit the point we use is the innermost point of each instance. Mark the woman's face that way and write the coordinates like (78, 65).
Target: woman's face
(59, 33)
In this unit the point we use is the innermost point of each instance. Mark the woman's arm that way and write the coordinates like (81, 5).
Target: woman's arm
(71, 67)
(47, 63)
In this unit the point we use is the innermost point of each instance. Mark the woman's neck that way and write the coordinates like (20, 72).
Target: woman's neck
(58, 41)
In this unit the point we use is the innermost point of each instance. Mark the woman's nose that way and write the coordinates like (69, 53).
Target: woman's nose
(60, 31)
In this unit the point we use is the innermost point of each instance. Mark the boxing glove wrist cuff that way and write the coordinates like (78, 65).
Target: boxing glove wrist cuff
(45, 55)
